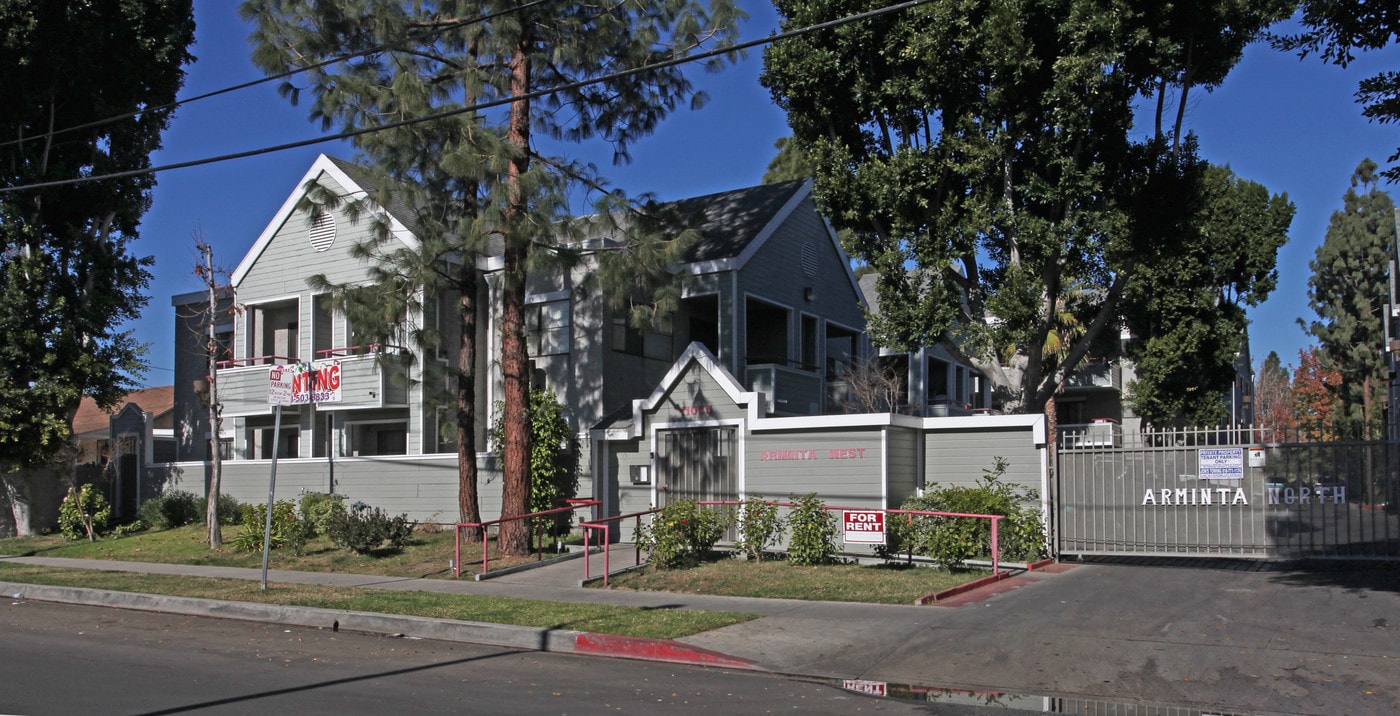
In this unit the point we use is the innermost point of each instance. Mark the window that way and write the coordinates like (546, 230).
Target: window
(547, 327)
(809, 343)
(287, 445)
(369, 439)
(625, 338)
(272, 332)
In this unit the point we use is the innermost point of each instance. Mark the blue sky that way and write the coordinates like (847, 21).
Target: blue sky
(1291, 125)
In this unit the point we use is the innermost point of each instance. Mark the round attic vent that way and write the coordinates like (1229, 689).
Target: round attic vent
(809, 259)
(322, 231)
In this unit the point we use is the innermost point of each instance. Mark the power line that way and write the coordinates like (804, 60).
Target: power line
(481, 105)
(279, 76)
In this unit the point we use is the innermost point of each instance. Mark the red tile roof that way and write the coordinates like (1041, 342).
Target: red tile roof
(158, 400)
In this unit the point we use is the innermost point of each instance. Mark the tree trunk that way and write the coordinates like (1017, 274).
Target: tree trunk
(515, 492)
(216, 464)
(16, 487)
(468, 501)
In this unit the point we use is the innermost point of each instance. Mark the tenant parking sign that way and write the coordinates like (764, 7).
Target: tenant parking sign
(1221, 463)
(864, 526)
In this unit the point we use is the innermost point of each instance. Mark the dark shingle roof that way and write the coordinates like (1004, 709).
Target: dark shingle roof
(729, 221)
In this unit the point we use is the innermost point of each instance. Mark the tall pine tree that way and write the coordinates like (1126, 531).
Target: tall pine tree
(1347, 291)
(414, 59)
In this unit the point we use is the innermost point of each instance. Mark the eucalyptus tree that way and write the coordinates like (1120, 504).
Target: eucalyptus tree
(461, 91)
(982, 155)
(1336, 30)
(1348, 291)
(68, 275)
(1186, 310)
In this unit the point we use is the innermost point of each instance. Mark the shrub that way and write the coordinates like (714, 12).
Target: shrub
(83, 513)
(553, 457)
(287, 530)
(682, 534)
(949, 541)
(364, 530)
(130, 528)
(760, 526)
(228, 508)
(813, 530)
(319, 509)
(173, 509)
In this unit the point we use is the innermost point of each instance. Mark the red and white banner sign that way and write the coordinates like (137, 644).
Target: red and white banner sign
(302, 383)
(864, 526)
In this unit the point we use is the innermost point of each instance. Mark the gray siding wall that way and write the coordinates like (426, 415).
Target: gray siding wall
(827, 462)
(902, 465)
(279, 273)
(626, 498)
(775, 273)
(958, 457)
(288, 259)
(696, 398)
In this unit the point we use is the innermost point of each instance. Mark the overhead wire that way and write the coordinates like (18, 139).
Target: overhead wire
(350, 134)
(272, 78)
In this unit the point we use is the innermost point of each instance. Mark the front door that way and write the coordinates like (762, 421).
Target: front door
(695, 464)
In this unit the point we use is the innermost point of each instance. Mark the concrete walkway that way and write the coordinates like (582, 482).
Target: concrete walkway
(1238, 636)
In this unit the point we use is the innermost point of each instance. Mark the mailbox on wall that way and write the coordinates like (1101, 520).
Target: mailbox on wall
(640, 474)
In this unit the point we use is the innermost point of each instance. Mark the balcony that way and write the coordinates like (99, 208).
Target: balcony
(364, 384)
(1097, 374)
(787, 391)
(1098, 434)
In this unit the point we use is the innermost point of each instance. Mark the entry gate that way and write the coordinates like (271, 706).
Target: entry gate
(1236, 492)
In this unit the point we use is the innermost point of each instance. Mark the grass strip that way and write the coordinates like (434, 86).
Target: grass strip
(425, 557)
(599, 618)
(777, 579)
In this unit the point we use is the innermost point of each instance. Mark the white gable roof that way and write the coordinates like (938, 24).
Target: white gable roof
(353, 191)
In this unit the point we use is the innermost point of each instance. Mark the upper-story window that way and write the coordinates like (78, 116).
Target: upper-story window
(273, 335)
(547, 327)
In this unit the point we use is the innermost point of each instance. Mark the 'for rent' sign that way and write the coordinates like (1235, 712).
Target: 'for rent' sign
(864, 526)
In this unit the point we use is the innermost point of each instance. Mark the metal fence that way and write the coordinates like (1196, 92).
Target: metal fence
(1243, 492)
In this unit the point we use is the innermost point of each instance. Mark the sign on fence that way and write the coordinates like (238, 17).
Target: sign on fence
(864, 526)
(1221, 463)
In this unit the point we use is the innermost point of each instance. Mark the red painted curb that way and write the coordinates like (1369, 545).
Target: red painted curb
(632, 647)
(1039, 565)
(961, 588)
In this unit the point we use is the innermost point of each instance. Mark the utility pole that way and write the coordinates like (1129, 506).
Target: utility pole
(1392, 340)
(212, 350)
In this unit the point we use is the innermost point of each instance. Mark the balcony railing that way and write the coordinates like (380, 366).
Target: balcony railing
(364, 383)
(788, 391)
(1099, 374)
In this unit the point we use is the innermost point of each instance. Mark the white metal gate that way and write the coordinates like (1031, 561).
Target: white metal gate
(1224, 493)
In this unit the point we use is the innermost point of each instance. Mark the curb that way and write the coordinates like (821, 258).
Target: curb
(562, 641)
(962, 588)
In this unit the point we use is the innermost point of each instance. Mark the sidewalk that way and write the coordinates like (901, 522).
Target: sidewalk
(1233, 636)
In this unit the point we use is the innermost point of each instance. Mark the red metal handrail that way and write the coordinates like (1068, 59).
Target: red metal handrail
(573, 504)
(995, 520)
(257, 361)
(349, 351)
(607, 540)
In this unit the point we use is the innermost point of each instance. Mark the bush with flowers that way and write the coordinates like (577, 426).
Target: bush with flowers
(683, 533)
(760, 526)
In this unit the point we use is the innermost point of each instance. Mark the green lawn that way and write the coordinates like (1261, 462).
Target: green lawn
(427, 555)
(872, 584)
(600, 618)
